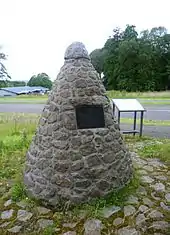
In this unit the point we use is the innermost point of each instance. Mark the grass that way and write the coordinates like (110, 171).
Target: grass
(161, 151)
(18, 191)
(146, 122)
(15, 136)
(24, 100)
(148, 147)
(139, 95)
(146, 97)
(50, 230)
(147, 102)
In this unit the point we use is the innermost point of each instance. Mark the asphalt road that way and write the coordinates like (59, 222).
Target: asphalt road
(154, 112)
(152, 131)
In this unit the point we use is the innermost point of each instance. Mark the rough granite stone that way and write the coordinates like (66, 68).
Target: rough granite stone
(70, 233)
(93, 227)
(15, 229)
(69, 225)
(148, 202)
(129, 210)
(164, 207)
(76, 50)
(161, 177)
(44, 223)
(141, 191)
(148, 168)
(128, 231)
(65, 163)
(8, 203)
(143, 208)
(142, 172)
(132, 200)
(118, 221)
(140, 220)
(109, 211)
(154, 214)
(42, 210)
(160, 225)
(156, 163)
(147, 179)
(24, 216)
(158, 187)
(158, 234)
(153, 194)
(7, 214)
(22, 204)
(4, 225)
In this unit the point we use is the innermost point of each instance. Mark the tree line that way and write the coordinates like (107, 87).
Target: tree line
(135, 61)
(41, 79)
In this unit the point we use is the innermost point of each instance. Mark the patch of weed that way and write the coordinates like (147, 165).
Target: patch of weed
(133, 139)
(161, 151)
(50, 230)
(115, 198)
(18, 191)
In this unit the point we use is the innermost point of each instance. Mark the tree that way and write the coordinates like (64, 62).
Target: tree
(97, 58)
(135, 68)
(130, 32)
(41, 79)
(16, 83)
(4, 76)
(111, 68)
(135, 62)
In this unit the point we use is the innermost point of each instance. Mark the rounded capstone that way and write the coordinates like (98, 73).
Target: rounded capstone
(76, 50)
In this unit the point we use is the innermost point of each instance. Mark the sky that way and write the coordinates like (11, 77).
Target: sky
(35, 33)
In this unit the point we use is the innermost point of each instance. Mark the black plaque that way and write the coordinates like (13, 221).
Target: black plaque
(90, 116)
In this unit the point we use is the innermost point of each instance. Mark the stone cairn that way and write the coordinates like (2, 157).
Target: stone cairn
(70, 159)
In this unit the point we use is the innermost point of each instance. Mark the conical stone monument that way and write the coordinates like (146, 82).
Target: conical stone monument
(77, 152)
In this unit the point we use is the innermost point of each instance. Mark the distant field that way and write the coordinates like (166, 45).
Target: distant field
(142, 95)
(24, 99)
(153, 98)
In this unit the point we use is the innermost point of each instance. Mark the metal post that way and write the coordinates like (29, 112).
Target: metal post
(113, 110)
(118, 117)
(134, 124)
(141, 124)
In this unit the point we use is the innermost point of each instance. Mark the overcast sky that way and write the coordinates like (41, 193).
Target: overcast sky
(35, 33)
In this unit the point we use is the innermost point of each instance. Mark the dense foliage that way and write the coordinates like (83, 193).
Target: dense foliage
(41, 79)
(16, 83)
(135, 62)
(3, 72)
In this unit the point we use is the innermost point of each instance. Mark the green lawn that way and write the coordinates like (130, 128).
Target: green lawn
(146, 97)
(17, 119)
(146, 122)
